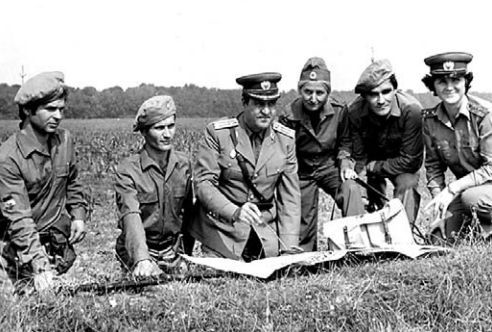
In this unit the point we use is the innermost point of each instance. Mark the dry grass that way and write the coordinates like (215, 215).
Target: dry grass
(442, 293)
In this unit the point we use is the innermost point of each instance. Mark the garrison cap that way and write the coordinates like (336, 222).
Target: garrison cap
(375, 74)
(448, 63)
(42, 88)
(153, 110)
(261, 86)
(315, 70)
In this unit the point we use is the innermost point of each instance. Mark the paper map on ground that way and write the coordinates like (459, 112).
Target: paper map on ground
(263, 268)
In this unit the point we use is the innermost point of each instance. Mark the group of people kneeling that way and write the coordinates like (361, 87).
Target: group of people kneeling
(253, 191)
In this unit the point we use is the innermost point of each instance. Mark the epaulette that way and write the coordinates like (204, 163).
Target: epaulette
(225, 123)
(284, 130)
(429, 112)
(479, 106)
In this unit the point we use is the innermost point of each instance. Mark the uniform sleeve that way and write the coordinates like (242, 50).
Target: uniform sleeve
(434, 166)
(344, 143)
(129, 216)
(289, 201)
(484, 173)
(412, 148)
(16, 210)
(207, 173)
(76, 201)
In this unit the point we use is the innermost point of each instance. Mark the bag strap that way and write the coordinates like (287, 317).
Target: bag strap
(244, 169)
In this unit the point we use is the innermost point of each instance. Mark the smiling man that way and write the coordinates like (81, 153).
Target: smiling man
(154, 195)
(319, 123)
(386, 135)
(42, 202)
(246, 179)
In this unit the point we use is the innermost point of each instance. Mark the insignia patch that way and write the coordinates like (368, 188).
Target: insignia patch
(265, 85)
(448, 65)
(225, 123)
(313, 75)
(232, 154)
(284, 130)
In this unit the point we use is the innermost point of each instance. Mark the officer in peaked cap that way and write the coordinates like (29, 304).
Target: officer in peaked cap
(458, 135)
(246, 179)
(42, 201)
(386, 137)
(319, 122)
(154, 195)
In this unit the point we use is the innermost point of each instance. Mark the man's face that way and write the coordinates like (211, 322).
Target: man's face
(314, 96)
(160, 135)
(47, 117)
(450, 89)
(259, 114)
(380, 98)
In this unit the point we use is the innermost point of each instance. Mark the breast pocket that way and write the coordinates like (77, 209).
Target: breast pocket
(149, 204)
(178, 197)
(230, 169)
(446, 151)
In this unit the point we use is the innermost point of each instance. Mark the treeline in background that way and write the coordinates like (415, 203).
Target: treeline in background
(191, 100)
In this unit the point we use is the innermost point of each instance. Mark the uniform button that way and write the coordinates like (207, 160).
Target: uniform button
(256, 175)
(251, 196)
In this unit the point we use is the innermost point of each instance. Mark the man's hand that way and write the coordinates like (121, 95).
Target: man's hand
(147, 268)
(249, 213)
(439, 204)
(77, 231)
(43, 281)
(347, 173)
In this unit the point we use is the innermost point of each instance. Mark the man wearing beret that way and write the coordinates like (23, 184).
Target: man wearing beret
(458, 136)
(386, 133)
(42, 202)
(319, 122)
(154, 195)
(246, 179)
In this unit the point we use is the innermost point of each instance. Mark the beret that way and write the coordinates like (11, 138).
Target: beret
(448, 63)
(154, 110)
(261, 86)
(375, 74)
(42, 88)
(315, 70)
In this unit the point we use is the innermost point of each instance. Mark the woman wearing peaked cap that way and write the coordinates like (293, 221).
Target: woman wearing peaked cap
(458, 136)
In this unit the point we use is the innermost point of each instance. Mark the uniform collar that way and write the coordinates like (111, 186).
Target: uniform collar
(146, 161)
(28, 142)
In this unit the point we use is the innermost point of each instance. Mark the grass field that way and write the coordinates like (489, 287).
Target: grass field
(442, 293)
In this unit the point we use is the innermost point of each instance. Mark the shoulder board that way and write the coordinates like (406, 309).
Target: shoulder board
(225, 123)
(479, 106)
(284, 130)
(429, 112)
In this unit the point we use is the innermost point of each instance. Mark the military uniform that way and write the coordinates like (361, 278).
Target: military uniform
(393, 142)
(154, 192)
(318, 155)
(221, 188)
(40, 193)
(155, 205)
(466, 149)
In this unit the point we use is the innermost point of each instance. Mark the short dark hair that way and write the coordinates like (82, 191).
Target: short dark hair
(428, 80)
(245, 99)
(33, 106)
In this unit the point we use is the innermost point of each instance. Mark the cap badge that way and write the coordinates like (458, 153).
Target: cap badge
(312, 75)
(448, 65)
(265, 85)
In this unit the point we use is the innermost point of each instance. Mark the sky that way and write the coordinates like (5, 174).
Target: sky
(106, 43)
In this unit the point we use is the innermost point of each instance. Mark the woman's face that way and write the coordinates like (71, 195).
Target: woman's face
(450, 89)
